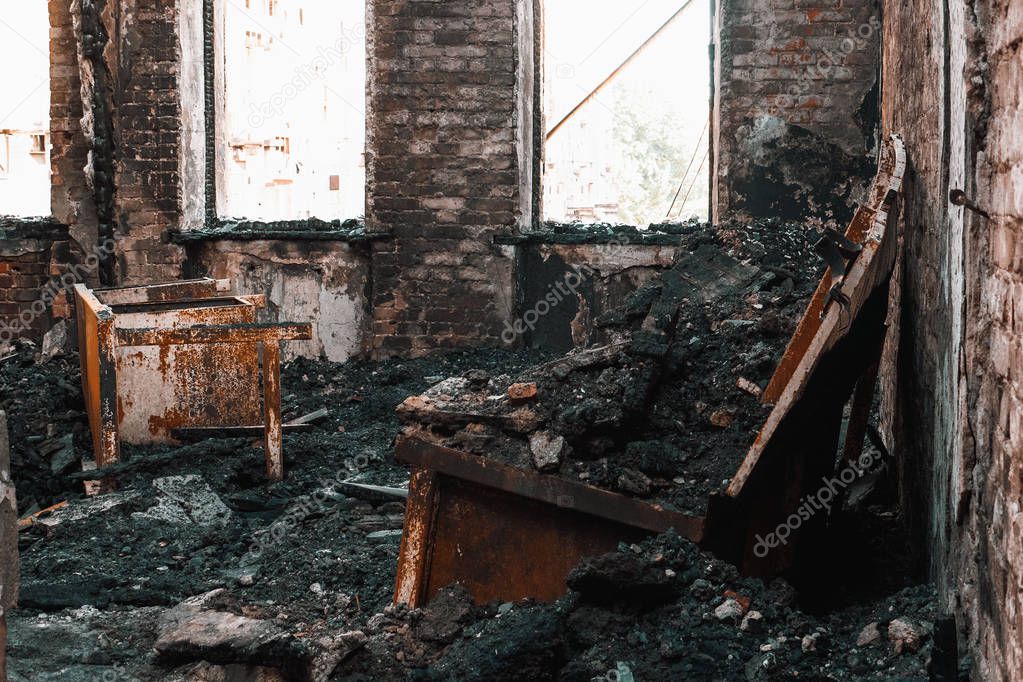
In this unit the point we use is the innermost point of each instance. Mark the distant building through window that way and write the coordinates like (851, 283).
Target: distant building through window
(292, 138)
(625, 155)
(25, 109)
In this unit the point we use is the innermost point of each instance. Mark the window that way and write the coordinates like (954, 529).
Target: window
(291, 129)
(24, 109)
(636, 149)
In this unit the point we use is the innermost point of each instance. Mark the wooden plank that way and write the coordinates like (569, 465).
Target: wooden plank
(273, 438)
(416, 539)
(204, 287)
(868, 272)
(218, 333)
(866, 221)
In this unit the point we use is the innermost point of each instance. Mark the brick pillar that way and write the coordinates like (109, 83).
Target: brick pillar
(449, 165)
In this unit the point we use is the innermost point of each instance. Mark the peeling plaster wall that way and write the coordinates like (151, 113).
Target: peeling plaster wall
(325, 283)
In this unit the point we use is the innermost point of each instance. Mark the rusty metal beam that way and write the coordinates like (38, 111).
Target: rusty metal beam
(204, 287)
(216, 333)
(549, 489)
(631, 58)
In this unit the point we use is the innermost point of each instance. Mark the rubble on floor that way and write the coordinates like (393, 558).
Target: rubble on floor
(666, 410)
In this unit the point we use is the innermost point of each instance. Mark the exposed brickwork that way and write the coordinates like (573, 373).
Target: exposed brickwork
(807, 63)
(70, 198)
(443, 169)
(147, 128)
(32, 260)
(961, 366)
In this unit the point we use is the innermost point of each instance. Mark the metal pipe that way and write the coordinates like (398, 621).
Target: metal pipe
(639, 50)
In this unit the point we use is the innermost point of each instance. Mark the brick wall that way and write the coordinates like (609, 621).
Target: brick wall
(32, 254)
(70, 198)
(953, 88)
(794, 116)
(147, 128)
(445, 172)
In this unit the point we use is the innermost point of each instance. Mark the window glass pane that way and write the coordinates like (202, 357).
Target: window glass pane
(24, 109)
(293, 134)
(623, 156)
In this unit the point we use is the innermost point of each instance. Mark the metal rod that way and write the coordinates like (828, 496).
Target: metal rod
(639, 50)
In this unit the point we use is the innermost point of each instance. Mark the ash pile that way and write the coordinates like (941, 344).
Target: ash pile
(665, 409)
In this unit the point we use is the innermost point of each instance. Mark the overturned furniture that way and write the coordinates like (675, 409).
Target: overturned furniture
(833, 356)
(163, 359)
(494, 504)
(508, 534)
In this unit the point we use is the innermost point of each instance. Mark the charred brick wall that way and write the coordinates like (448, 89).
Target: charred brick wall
(953, 88)
(449, 166)
(795, 106)
(147, 127)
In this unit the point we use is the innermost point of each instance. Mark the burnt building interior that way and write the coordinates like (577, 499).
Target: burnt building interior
(511, 340)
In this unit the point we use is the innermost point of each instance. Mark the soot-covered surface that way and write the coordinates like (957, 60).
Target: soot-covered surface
(668, 412)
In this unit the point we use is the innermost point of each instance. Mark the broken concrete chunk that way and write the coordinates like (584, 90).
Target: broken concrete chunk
(55, 341)
(635, 482)
(196, 630)
(547, 450)
(522, 391)
(752, 622)
(721, 419)
(186, 500)
(905, 635)
(749, 387)
(869, 635)
(729, 610)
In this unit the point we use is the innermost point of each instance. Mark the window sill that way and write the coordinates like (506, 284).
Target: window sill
(32, 227)
(601, 233)
(351, 231)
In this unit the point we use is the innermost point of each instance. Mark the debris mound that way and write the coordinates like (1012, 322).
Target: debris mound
(668, 406)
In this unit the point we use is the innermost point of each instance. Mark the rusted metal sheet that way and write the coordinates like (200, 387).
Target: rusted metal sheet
(151, 365)
(204, 287)
(506, 533)
(96, 343)
(224, 333)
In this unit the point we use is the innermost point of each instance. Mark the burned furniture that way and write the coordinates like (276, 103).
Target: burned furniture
(162, 359)
(508, 534)
(494, 505)
(833, 356)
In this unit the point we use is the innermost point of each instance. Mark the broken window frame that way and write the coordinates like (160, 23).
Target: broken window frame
(213, 88)
(543, 128)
